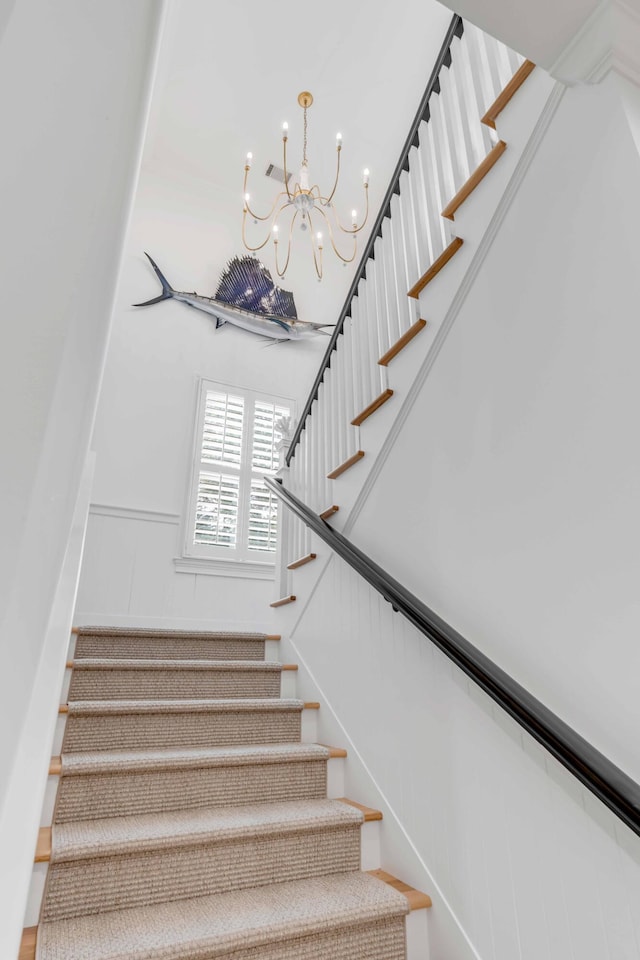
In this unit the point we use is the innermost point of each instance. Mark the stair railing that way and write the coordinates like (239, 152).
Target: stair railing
(603, 778)
(445, 145)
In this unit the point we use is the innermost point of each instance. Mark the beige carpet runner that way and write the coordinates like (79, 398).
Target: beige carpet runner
(191, 823)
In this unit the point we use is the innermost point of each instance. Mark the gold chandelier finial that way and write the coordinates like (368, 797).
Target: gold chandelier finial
(304, 201)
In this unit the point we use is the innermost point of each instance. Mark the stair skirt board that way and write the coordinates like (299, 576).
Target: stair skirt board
(192, 823)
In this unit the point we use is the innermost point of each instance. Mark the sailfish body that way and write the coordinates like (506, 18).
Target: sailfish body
(246, 297)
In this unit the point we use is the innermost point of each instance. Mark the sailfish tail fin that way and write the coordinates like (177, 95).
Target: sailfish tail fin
(167, 289)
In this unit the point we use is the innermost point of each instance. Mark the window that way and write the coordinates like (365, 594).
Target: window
(232, 515)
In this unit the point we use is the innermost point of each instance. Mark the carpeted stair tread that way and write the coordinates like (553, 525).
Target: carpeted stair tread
(163, 644)
(96, 631)
(115, 761)
(119, 783)
(109, 679)
(84, 839)
(91, 708)
(268, 921)
(132, 724)
(107, 663)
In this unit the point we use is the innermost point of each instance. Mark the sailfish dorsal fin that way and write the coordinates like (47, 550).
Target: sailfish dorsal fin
(247, 283)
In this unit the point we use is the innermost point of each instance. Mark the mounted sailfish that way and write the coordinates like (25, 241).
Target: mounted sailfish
(248, 298)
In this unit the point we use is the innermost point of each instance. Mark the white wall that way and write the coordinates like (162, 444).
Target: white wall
(509, 504)
(525, 519)
(504, 840)
(144, 428)
(74, 83)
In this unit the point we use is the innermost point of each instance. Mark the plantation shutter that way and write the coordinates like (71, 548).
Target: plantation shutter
(263, 507)
(232, 508)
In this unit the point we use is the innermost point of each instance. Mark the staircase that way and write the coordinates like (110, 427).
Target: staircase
(192, 821)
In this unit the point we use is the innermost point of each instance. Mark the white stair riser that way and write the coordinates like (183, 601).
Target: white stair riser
(417, 935)
(370, 845)
(335, 778)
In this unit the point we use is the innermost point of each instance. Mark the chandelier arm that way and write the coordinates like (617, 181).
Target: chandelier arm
(335, 185)
(270, 214)
(313, 250)
(286, 263)
(333, 244)
(244, 239)
(354, 230)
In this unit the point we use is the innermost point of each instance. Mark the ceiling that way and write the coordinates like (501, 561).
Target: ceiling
(229, 74)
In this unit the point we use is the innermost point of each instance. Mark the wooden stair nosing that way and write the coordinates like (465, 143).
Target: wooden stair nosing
(329, 512)
(346, 465)
(27, 949)
(334, 752)
(375, 405)
(474, 180)
(268, 636)
(283, 601)
(300, 562)
(435, 267)
(43, 846)
(400, 344)
(503, 98)
(417, 899)
(370, 814)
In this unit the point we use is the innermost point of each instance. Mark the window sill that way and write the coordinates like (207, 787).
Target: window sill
(215, 567)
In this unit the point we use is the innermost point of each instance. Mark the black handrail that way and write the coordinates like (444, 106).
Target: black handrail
(607, 781)
(456, 28)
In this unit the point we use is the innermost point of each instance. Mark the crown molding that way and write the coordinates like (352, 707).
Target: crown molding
(609, 40)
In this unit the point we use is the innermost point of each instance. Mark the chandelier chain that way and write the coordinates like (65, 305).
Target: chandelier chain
(304, 144)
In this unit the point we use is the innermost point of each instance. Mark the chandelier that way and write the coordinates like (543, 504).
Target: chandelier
(306, 202)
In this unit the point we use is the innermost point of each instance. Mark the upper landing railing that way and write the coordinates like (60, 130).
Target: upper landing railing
(451, 146)
(446, 144)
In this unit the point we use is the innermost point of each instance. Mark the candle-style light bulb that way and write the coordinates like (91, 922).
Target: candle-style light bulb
(365, 176)
(338, 140)
(275, 232)
(285, 129)
(249, 159)
(319, 239)
(247, 197)
(354, 216)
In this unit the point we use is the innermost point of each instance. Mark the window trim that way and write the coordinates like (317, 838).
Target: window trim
(217, 559)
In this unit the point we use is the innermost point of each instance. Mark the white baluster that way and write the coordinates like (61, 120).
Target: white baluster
(370, 342)
(410, 229)
(430, 180)
(418, 202)
(381, 341)
(515, 60)
(471, 93)
(455, 124)
(446, 174)
(394, 284)
(356, 339)
(503, 63)
(341, 412)
(383, 255)
(481, 70)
